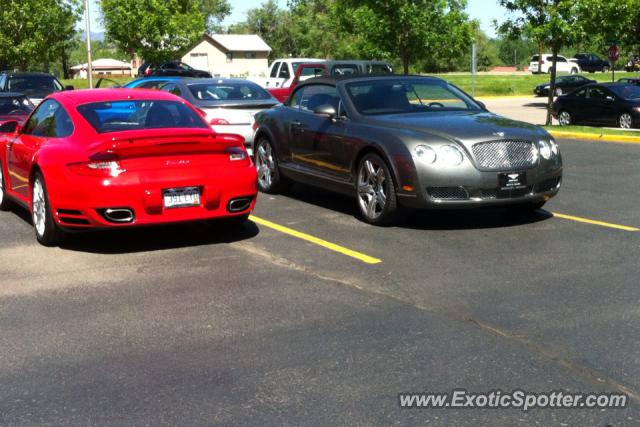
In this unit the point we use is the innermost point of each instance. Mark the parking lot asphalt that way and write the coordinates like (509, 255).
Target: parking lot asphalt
(278, 323)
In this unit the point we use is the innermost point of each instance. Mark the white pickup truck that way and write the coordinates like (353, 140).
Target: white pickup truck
(282, 72)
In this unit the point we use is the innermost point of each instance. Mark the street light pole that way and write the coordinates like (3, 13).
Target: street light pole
(87, 18)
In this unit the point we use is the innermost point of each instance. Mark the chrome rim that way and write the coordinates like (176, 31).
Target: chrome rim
(265, 165)
(558, 91)
(372, 195)
(564, 119)
(38, 207)
(1, 186)
(625, 121)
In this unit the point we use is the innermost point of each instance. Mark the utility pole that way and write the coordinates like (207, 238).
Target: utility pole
(474, 69)
(87, 18)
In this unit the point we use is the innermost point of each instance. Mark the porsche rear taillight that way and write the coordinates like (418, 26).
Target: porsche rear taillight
(219, 122)
(236, 153)
(99, 168)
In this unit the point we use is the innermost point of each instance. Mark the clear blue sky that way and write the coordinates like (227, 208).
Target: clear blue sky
(483, 10)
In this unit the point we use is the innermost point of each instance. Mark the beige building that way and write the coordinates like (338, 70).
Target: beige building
(230, 55)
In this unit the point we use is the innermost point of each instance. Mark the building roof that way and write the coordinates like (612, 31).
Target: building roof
(104, 63)
(239, 42)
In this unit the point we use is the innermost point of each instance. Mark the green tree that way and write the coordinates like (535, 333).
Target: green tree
(271, 23)
(159, 30)
(548, 22)
(411, 29)
(36, 32)
(214, 11)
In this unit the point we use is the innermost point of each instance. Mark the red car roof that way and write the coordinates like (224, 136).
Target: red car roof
(85, 96)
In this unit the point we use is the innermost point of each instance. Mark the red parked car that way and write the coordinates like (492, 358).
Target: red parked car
(113, 158)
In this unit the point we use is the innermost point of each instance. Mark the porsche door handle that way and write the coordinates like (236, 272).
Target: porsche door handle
(298, 125)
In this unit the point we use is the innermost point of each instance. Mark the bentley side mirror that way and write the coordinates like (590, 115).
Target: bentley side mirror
(11, 126)
(325, 110)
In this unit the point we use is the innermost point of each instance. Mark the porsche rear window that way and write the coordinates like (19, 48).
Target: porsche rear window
(120, 116)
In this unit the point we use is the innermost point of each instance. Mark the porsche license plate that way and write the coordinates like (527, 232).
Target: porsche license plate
(181, 197)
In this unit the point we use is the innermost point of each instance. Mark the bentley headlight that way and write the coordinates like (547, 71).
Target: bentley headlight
(451, 155)
(425, 153)
(545, 149)
(554, 147)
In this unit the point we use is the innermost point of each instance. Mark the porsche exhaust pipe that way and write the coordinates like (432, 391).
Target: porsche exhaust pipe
(239, 205)
(118, 215)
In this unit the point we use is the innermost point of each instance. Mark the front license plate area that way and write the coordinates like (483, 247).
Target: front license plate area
(512, 181)
(181, 197)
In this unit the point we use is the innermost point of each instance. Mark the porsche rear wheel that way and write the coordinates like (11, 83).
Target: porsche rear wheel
(269, 178)
(47, 231)
(376, 191)
(5, 203)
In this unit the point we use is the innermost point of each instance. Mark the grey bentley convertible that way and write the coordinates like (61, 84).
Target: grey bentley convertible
(404, 141)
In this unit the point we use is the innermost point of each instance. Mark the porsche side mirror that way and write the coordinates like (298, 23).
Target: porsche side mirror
(325, 110)
(482, 105)
(11, 126)
(69, 87)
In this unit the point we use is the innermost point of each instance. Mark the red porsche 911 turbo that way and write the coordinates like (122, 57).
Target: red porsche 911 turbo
(107, 158)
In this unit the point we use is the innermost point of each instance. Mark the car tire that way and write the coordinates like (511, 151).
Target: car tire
(574, 71)
(564, 118)
(625, 121)
(375, 191)
(47, 231)
(270, 180)
(558, 91)
(5, 202)
(605, 69)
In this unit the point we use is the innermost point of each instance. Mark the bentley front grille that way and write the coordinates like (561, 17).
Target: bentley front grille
(505, 155)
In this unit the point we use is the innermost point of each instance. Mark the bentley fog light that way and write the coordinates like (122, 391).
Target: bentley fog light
(425, 153)
(451, 155)
(545, 149)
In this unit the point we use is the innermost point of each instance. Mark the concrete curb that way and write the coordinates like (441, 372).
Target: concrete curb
(624, 139)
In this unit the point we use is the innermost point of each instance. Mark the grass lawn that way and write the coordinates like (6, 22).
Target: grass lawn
(515, 84)
(592, 130)
(84, 83)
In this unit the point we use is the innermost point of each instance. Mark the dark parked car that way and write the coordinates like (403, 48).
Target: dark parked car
(613, 104)
(34, 85)
(564, 84)
(591, 63)
(349, 67)
(14, 107)
(633, 81)
(171, 68)
(403, 141)
(633, 64)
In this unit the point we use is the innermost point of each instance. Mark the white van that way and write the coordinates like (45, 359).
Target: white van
(562, 65)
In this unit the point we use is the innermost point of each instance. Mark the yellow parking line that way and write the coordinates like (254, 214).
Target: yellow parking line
(593, 222)
(332, 246)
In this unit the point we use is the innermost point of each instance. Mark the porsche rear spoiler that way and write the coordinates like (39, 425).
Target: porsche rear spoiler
(126, 146)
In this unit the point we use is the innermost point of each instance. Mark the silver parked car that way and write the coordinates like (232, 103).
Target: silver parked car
(394, 141)
(229, 105)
